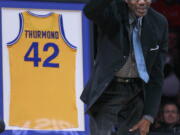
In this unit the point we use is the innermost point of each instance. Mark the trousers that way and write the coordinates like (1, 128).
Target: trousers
(117, 109)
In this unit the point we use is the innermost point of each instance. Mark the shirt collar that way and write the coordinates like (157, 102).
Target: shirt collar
(132, 18)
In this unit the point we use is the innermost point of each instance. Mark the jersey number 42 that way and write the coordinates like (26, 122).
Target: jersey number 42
(36, 59)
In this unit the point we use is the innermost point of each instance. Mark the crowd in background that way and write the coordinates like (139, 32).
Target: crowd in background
(168, 119)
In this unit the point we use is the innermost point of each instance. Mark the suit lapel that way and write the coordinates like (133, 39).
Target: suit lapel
(147, 34)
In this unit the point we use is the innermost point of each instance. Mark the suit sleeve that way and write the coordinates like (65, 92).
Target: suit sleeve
(101, 13)
(153, 90)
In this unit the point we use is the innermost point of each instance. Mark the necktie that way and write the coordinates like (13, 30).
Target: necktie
(140, 62)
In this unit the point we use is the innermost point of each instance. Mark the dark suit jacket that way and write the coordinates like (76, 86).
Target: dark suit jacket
(2, 126)
(111, 17)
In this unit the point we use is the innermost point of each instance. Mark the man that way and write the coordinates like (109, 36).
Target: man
(170, 113)
(123, 93)
(170, 118)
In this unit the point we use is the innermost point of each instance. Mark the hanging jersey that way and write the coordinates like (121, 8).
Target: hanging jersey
(42, 74)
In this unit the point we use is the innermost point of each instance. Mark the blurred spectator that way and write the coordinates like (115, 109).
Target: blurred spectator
(174, 50)
(171, 85)
(170, 119)
(171, 69)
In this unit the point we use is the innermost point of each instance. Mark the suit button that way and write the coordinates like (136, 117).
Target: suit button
(124, 57)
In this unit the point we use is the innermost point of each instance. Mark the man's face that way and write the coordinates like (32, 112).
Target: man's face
(170, 114)
(139, 7)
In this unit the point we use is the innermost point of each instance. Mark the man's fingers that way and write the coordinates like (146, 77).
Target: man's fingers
(144, 128)
(135, 127)
(143, 132)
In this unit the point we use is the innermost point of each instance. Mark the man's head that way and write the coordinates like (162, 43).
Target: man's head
(139, 7)
(170, 113)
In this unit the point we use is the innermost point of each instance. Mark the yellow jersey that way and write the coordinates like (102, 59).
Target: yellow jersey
(42, 74)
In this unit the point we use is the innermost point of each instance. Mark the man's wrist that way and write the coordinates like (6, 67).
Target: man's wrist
(149, 118)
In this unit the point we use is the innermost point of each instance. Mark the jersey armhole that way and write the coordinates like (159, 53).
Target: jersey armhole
(21, 22)
(63, 33)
